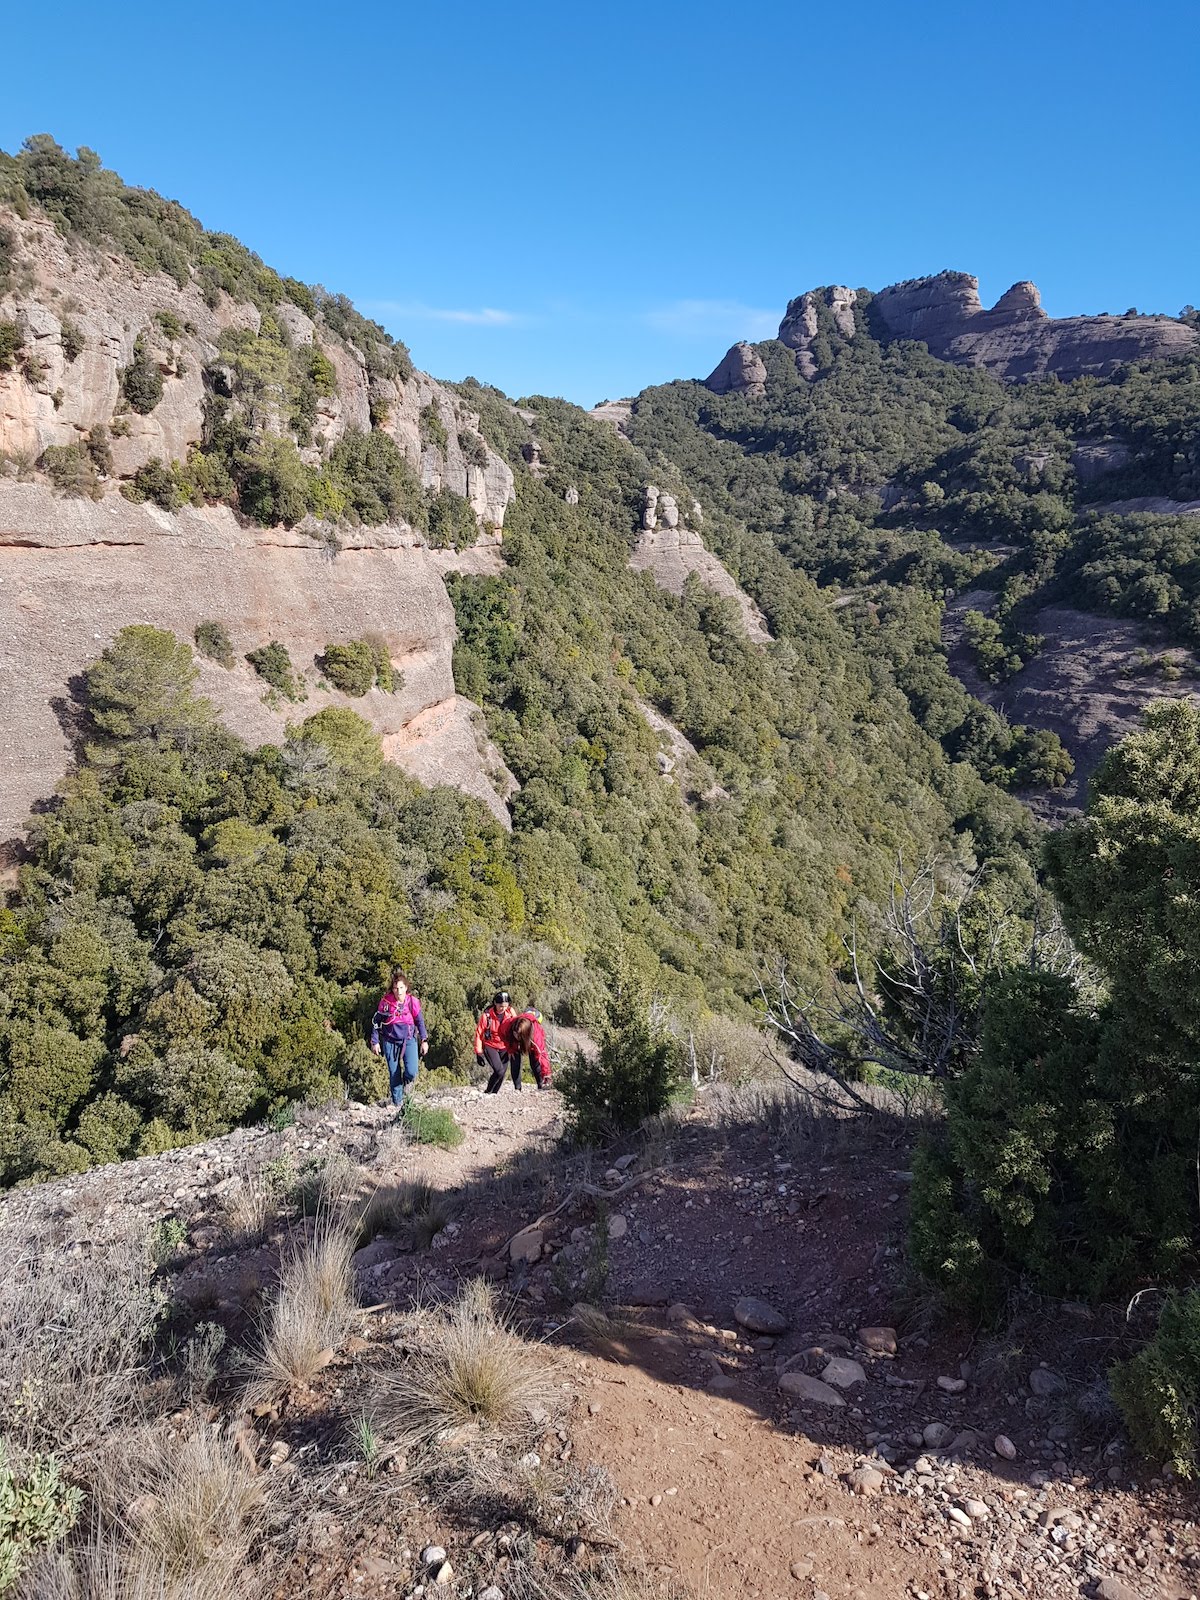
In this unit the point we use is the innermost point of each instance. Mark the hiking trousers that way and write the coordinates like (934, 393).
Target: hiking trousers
(501, 1064)
(402, 1064)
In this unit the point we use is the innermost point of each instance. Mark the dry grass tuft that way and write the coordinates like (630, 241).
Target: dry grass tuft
(75, 1337)
(410, 1208)
(197, 1505)
(469, 1367)
(251, 1208)
(311, 1314)
(102, 1570)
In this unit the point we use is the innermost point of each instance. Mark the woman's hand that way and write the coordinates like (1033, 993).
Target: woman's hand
(424, 1047)
(375, 1050)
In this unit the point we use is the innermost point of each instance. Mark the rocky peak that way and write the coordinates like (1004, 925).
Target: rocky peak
(1015, 339)
(741, 371)
(802, 322)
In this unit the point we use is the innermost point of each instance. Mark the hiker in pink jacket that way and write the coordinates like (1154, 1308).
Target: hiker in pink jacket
(397, 1032)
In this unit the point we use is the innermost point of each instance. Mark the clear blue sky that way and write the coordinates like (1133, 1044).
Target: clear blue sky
(584, 199)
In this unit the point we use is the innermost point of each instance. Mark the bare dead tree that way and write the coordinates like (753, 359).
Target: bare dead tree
(918, 1013)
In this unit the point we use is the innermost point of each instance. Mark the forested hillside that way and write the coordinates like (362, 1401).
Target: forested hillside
(200, 923)
(897, 480)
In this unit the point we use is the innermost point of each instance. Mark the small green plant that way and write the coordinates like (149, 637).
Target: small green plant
(433, 429)
(350, 667)
(71, 469)
(632, 1076)
(432, 1125)
(473, 448)
(167, 1238)
(1158, 1391)
(281, 1117)
(157, 482)
(36, 1508)
(212, 640)
(274, 665)
(201, 1354)
(12, 341)
(141, 381)
(72, 338)
(366, 1441)
(171, 325)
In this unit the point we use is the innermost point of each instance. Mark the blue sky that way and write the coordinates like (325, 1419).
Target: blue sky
(584, 199)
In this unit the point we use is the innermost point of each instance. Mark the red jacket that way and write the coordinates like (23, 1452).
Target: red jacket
(539, 1054)
(491, 1031)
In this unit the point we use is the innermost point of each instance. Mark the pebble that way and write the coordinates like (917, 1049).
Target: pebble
(1003, 1446)
(935, 1434)
(976, 1510)
(802, 1569)
(491, 1593)
(866, 1480)
(880, 1340)
(952, 1385)
(805, 1387)
(958, 1515)
(433, 1555)
(843, 1372)
(444, 1573)
(618, 1226)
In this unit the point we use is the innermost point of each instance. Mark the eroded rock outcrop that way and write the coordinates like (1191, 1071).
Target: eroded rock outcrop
(81, 312)
(802, 321)
(73, 572)
(671, 552)
(742, 370)
(1016, 340)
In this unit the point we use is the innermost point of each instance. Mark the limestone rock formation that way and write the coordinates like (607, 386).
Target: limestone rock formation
(73, 572)
(741, 371)
(671, 552)
(81, 311)
(802, 320)
(1016, 339)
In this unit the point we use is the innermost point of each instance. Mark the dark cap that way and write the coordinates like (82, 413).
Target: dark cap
(501, 998)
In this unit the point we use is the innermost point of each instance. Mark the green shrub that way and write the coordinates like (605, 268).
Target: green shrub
(321, 373)
(1158, 1391)
(274, 665)
(171, 325)
(432, 1125)
(473, 448)
(141, 382)
(350, 667)
(433, 429)
(167, 1237)
(36, 1508)
(12, 342)
(156, 481)
(99, 449)
(634, 1073)
(212, 640)
(452, 524)
(72, 338)
(70, 467)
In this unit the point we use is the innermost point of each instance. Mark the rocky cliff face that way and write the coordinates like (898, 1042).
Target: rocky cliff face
(1015, 339)
(741, 371)
(81, 310)
(671, 553)
(73, 572)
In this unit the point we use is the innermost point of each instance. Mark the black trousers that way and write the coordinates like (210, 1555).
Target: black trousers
(501, 1064)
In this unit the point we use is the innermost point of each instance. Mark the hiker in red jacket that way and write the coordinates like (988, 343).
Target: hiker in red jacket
(527, 1037)
(491, 1042)
(397, 1031)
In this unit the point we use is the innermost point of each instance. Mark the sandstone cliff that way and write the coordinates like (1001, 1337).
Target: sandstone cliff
(1015, 339)
(671, 552)
(81, 310)
(73, 572)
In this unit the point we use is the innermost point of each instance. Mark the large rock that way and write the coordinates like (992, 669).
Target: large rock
(1015, 339)
(741, 371)
(843, 1372)
(803, 1386)
(760, 1316)
(803, 318)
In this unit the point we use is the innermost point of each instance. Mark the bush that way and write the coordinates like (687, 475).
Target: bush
(212, 640)
(310, 1315)
(12, 342)
(433, 429)
(157, 482)
(350, 667)
(1158, 1391)
(473, 448)
(141, 382)
(36, 1508)
(72, 338)
(452, 524)
(274, 666)
(71, 469)
(633, 1075)
(432, 1125)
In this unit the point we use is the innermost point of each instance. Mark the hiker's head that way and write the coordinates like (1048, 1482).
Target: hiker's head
(501, 999)
(522, 1028)
(399, 983)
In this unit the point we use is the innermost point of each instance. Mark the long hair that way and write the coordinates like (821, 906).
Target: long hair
(522, 1029)
(398, 976)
